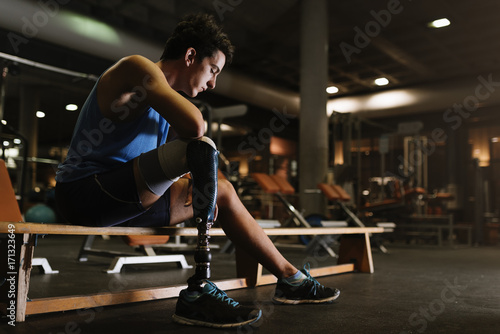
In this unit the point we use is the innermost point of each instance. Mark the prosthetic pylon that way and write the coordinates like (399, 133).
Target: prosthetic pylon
(203, 163)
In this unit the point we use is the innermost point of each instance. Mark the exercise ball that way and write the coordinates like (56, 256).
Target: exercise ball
(40, 213)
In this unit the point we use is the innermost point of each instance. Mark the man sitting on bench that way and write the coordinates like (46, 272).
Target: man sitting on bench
(120, 171)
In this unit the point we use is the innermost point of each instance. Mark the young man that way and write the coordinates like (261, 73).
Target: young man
(120, 170)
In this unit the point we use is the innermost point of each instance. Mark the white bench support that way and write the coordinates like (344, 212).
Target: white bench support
(41, 261)
(119, 262)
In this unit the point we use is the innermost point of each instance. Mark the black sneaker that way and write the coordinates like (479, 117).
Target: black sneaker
(213, 308)
(309, 292)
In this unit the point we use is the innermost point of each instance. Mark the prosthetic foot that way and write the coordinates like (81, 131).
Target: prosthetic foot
(202, 162)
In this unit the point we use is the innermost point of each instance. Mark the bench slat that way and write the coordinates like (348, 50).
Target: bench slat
(35, 228)
(66, 303)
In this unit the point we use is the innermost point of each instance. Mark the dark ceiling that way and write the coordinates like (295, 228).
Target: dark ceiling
(267, 39)
(267, 33)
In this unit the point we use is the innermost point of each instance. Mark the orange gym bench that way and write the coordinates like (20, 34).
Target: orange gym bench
(276, 185)
(336, 193)
(354, 255)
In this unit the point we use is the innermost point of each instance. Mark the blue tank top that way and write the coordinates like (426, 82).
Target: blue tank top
(99, 144)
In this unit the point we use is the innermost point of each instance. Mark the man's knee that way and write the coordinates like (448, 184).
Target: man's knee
(225, 192)
(209, 141)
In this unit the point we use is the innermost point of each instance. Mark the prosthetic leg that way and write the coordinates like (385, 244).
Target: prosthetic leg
(202, 162)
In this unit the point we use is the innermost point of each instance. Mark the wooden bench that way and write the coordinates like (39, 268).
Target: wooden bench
(354, 255)
(19, 240)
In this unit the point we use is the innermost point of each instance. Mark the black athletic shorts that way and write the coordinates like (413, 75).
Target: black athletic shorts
(109, 199)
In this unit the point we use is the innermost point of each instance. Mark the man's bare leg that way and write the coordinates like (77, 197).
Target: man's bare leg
(293, 286)
(237, 223)
(247, 234)
(234, 218)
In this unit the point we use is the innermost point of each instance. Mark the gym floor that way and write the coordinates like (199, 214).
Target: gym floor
(415, 289)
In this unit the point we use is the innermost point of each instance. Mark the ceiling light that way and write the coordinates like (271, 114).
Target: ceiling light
(71, 107)
(494, 140)
(389, 99)
(90, 28)
(17, 141)
(4, 122)
(5, 143)
(444, 22)
(332, 90)
(342, 105)
(381, 81)
(40, 114)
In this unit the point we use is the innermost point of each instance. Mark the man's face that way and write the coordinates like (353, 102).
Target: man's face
(202, 75)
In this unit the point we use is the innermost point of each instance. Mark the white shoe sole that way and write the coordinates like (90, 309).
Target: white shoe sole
(192, 322)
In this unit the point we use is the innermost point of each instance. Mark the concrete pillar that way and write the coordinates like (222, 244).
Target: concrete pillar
(452, 161)
(479, 207)
(313, 145)
(3, 76)
(28, 127)
(3, 79)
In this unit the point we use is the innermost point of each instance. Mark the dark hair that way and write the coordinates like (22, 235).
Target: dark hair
(201, 32)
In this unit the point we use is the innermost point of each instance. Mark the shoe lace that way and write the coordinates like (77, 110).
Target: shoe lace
(315, 284)
(221, 295)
